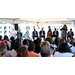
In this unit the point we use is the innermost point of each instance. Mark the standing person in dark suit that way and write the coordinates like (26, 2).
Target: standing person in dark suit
(56, 33)
(35, 34)
(70, 34)
(42, 33)
(19, 34)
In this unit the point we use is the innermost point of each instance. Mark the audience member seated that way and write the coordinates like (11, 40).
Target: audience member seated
(48, 44)
(56, 41)
(37, 47)
(16, 46)
(11, 39)
(60, 42)
(3, 51)
(44, 43)
(7, 42)
(6, 38)
(12, 44)
(3, 43)
(63, 51)
(31, 49)
(25, 43)
(45, 51)
(50, 40)
(18, 39)
(22, 52)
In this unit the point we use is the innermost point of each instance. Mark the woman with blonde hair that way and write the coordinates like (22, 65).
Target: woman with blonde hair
(44, 43)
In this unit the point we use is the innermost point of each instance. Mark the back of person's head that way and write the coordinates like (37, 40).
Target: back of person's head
(3, 43)
(64, 47)
(3, 51)
(6, 37)
(49, 40)
(12, 38)
(25, 42)
(45, 51)
(31, 47)
(39, 39)
(0, 38)
(12, 43)
(44, 43)
(18, 39)
(36, 42)
(60, 42)
(64, 38)
(17, 45)
(22, 52)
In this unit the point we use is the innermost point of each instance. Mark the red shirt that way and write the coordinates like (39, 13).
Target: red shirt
(32, 54)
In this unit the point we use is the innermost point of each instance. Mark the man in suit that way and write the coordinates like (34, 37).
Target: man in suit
(19, 34)
(70, 34)
(42, 33)
(56, 33)
(35, 34)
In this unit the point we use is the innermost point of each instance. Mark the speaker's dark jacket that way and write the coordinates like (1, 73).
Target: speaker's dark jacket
(19, 33)
(72, 34)
(34, 33)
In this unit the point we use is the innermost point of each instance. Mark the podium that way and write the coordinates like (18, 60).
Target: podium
(63, 33)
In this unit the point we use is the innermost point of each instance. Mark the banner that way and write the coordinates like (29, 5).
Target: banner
(68, 23)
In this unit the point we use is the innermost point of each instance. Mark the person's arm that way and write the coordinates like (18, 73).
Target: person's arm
(12, 33)
(68, 33)
(44, 33)
(72, 34)
(21, 34)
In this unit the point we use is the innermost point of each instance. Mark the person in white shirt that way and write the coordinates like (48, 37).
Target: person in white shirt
(13, 32)
(63, 51)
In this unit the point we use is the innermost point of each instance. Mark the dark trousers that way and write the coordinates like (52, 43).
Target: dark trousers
(55, 36)
(69, 36)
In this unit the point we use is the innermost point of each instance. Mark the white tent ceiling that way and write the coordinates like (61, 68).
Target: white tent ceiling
(37, 21)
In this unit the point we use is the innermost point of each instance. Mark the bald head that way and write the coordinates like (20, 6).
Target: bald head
(45, 51)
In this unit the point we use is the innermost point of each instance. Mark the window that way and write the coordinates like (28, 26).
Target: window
(0, 27)
(5, 28)
(0, 31)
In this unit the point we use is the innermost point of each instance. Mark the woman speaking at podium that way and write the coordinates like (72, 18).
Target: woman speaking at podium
(64, 31)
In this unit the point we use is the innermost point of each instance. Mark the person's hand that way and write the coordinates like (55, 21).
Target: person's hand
(14, 33)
